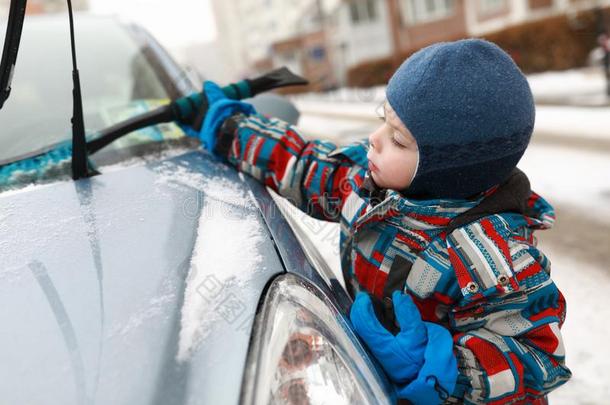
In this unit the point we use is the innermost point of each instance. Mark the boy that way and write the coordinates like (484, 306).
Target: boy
(451, 294)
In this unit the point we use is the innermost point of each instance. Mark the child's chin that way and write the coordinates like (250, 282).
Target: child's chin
(379, 182)
(376, 178)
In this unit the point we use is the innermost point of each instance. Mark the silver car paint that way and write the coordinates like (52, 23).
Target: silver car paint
(92, 282)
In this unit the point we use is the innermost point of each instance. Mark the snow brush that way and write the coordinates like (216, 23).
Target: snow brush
(185, 109)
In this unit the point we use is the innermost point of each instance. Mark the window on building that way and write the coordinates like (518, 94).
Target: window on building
(540, 4)
(371, 8)
(353, 11)
(420, 11)
(491, 6)
(317, 53)
(289, 56)
(362, 11)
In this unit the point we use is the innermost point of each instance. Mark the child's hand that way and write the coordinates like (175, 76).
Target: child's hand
(215, 109)
(419, 359)
(402, 355)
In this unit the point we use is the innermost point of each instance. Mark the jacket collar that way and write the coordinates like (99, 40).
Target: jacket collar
(514, 195)
(388, 204)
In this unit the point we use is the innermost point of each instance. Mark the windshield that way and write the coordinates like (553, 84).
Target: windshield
(115, 72)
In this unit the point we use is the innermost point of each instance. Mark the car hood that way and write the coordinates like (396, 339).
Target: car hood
(136, 286)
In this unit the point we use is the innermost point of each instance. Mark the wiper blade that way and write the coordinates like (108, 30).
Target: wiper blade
(11, 47)
(114, 132)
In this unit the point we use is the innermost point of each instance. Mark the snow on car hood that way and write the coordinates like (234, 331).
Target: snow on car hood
(136, 286)
(225, 254)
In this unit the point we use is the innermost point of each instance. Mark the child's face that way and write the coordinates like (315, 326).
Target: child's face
(393, 153)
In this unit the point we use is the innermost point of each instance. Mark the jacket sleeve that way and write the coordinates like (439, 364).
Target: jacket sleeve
(507, 328)
(315, 176)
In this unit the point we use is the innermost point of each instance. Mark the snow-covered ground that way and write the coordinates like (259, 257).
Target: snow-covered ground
(578, 86)
(568, 176)
(568, 121)
(585, 331)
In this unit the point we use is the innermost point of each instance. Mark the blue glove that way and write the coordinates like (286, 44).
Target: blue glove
(437, 378)
(402, 355)
(219, 108)
(419, 359)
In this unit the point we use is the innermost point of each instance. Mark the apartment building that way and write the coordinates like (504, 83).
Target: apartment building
(247, 29)
(358, 31)
(308, 52)
(369, 30)
(417, 23)
(328, 38)
(487, 16)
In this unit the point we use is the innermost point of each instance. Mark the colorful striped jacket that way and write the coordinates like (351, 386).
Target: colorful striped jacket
(481, 277)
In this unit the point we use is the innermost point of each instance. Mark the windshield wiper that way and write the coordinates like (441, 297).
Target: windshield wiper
(11, 47)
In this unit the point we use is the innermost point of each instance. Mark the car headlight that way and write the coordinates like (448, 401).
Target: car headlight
(303, 352)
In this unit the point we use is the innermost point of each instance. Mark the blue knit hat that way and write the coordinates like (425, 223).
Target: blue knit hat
(471, 111)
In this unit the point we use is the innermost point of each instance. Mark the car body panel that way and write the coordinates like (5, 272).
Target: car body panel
(295, 258)
(94, 287)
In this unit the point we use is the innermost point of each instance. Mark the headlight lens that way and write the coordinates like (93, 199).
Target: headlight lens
(303, 352)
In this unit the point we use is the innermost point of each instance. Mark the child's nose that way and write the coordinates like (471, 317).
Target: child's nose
(374, 140)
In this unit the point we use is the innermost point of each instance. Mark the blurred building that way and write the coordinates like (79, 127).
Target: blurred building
(328, 40)
(485, 16)
(306, 55)
(307, 51)
(257, 35)
(416, 24)
(247, 29)
(413, 24)
(359, 31)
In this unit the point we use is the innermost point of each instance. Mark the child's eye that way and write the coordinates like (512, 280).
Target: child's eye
(395, 142)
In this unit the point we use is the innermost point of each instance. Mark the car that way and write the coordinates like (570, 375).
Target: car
(167, 278)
